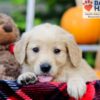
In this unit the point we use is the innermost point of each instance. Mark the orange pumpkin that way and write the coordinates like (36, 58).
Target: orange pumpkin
(98, 73)
(86, 31)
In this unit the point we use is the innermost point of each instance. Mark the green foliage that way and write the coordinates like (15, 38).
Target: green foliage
(90, 58)
(20, 20)
(54, 9)
(51, 11)
(37, 21)
(46, 11)
(20, 16)
(18, 2)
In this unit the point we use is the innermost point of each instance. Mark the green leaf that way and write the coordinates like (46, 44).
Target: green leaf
(18, 2)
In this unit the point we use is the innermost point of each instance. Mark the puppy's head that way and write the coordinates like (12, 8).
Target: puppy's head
(46, 50)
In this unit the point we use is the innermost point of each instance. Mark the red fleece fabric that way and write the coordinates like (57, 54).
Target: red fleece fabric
(90, 93)
(11, 90)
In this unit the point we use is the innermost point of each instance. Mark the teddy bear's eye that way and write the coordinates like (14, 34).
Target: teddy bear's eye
(36, 49)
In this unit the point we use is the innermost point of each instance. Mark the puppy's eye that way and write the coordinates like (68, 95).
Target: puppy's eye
(36, 49)
(57, 51)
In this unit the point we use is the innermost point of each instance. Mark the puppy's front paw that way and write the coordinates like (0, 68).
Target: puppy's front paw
(76, 88)
(27, 78)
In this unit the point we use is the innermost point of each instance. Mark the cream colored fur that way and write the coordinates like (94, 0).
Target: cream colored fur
(67, 66)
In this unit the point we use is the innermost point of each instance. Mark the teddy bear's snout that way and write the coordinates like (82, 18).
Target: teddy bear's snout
(7, 28)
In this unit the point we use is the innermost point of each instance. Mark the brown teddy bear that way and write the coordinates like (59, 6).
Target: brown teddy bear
(9, 33)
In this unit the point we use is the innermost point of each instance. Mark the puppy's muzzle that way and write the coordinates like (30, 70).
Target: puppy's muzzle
(45, 67)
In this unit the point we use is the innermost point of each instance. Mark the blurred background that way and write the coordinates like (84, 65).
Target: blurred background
(57, 12)
(45, 10)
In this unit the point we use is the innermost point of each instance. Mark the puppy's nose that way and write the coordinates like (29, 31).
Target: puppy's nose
(45, 67)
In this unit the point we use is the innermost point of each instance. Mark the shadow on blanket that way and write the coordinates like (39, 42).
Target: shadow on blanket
(10, 90)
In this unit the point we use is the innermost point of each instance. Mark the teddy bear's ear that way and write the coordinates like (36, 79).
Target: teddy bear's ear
(20, 48)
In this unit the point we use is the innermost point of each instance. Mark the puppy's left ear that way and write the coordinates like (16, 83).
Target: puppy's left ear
(74, 51)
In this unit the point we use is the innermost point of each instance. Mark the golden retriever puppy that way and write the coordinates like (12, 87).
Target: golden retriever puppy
(52, 54)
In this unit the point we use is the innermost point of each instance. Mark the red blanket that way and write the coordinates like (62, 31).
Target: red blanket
(10, 90)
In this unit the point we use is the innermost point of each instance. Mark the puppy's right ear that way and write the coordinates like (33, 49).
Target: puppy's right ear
(20, 48)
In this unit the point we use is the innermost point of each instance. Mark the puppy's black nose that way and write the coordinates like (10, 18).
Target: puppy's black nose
(45, 67)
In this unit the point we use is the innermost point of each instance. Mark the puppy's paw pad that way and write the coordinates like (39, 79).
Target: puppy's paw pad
(76, 88)
(27, 78)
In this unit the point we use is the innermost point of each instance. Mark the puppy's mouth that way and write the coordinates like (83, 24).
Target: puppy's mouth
(45, 78)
